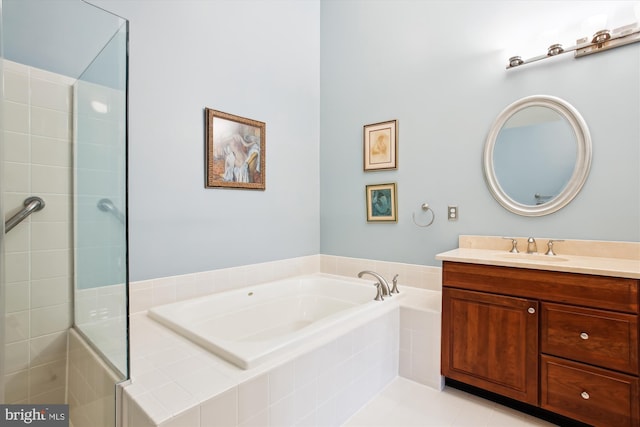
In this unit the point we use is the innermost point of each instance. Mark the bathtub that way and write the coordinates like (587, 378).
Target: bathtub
(251, 325)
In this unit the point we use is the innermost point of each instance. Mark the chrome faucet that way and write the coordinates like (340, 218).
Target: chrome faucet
(550, 247)
(382, 285)
(532, 247)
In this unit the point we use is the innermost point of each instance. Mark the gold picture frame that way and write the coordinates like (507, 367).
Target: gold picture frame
(380, 143)
(235, 151)
(382, 203)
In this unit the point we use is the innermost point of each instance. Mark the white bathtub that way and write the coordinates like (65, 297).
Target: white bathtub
(251, 325)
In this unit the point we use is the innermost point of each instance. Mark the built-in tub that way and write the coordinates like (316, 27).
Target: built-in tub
(250, 325)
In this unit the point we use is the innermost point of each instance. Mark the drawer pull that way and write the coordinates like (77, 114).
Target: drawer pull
(531, 310)
(584, 336)
(585, 395)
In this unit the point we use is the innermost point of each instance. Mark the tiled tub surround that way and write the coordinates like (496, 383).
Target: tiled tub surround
(37, 161)
(90, 386)
(322, 382)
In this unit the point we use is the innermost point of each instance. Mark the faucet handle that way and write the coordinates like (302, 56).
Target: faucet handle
(378, 292)
(394, 288)
(550, 247)
(514, 244)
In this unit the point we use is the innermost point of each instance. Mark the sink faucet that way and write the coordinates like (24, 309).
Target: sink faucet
(550, 247)
(383, 285)
(532, 247)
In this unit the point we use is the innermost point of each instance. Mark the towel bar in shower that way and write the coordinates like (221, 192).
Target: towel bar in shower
(31, 204)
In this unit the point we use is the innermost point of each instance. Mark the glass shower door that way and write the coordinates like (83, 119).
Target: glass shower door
(100, 201)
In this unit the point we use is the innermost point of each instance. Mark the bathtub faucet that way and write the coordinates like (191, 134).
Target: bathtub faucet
(382, 285)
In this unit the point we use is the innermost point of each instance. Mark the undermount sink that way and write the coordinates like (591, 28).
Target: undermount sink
(533, 257)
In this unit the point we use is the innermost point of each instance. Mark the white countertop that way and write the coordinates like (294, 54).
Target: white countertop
(616, 259)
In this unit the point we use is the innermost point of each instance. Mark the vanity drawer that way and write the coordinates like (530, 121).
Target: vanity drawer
(591, 395)
(598, 337)
(603, 292)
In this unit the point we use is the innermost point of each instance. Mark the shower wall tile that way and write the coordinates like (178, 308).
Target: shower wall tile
(50, 179)
(17, 267)
(50, 235)
(48, 348)
(38, 74)
(50, 95)
(51, 291)
(16, 86)
(16, 178)
(48, 377)
(16, 357)
(16, 117)
(17, 296)
(50, 123)
(16, 387)
(48, 264)
(17, 240)
(16, 147)
(50, 319)
(51, 151)
(38, 260)
(56, 395)
(16, 327)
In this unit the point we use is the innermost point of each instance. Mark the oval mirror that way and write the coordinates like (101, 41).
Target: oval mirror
(537, 155)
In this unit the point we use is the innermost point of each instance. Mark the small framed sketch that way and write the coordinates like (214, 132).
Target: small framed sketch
(382, 203)
(235, 151)
(381, 146)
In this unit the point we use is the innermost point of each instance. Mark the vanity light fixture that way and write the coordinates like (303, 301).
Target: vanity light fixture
(601, 41)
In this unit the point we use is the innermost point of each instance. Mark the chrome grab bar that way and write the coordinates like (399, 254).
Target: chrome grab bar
(31, 204)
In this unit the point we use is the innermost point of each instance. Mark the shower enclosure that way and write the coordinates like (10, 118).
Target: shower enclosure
(63, 256)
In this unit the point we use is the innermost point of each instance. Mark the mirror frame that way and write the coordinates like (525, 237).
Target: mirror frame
(580, 170)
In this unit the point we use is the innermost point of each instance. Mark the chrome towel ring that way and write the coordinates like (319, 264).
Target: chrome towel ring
(425, 208)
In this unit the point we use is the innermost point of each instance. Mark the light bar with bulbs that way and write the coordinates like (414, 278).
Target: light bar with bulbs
(601, 41)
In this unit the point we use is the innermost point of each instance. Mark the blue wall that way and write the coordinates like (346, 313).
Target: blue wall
(439, 68)
(316, 72)
(251, 58)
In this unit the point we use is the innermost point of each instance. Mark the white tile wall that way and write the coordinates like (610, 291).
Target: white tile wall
(324, 386)
(91, 386)
(38, 251)
(339, 377)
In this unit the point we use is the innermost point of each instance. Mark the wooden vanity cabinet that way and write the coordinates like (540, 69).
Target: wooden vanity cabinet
(565, 342)
(492, 342)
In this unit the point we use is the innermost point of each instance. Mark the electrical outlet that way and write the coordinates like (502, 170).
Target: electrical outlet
(452, 213)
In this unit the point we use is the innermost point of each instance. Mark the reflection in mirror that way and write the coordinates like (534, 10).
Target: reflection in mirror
(534, 155)
(537, 155)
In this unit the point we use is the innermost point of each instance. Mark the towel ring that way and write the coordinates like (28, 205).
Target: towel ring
(425, 208)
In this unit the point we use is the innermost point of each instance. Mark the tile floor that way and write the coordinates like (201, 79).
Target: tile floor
(405, 403)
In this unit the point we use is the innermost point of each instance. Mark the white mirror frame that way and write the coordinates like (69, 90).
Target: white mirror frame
(580, 171)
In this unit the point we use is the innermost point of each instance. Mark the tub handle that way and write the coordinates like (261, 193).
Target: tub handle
(394, 289)
(378, 292)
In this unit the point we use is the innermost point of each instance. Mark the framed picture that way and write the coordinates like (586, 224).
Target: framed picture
(382, 203)
(235, 151)
(381, 146)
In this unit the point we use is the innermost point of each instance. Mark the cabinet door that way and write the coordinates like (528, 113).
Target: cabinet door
(491, 341)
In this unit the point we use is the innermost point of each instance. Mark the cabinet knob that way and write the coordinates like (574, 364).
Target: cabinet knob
(585, 395)
(531, 310)
(584, 336)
